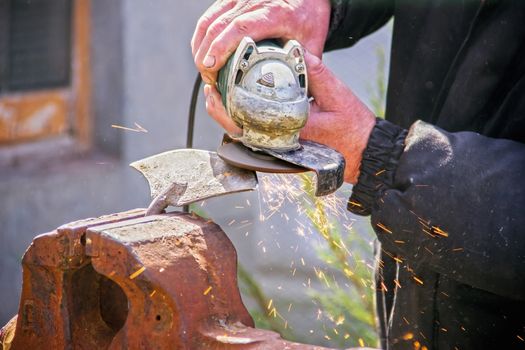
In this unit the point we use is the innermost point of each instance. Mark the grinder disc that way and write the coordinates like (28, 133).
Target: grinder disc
(235, 153)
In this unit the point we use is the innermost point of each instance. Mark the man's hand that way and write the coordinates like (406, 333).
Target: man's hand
(337, 118)
(222, 27)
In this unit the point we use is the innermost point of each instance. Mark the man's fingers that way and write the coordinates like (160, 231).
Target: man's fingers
(217, 111)
(253, 24)
(211, 14)
(225, 34)
(331, 94)
(204, 62)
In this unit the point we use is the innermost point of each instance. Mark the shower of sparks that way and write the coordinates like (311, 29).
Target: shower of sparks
(138, 128)
(280, 190)
(318, 221)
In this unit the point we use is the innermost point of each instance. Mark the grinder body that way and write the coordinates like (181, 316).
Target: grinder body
(264, 90)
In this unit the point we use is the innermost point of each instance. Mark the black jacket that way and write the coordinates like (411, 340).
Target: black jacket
(448, 200)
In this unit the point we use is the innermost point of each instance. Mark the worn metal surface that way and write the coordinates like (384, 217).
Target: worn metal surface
(185, 176)
(327, 163)
(264, 89)
(129, 281)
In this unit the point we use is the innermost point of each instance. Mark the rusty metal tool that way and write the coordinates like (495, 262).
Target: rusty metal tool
(184, 176)
(129, 281)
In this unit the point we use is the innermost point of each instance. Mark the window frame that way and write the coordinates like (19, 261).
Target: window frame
(71, 105)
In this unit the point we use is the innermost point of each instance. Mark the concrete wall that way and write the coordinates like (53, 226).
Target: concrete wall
(143, 72)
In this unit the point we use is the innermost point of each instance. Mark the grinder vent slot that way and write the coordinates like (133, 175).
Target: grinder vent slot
(302, 80)
(248, 53)
(238, 77)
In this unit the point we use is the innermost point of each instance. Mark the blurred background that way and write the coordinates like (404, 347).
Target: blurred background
(88, 86)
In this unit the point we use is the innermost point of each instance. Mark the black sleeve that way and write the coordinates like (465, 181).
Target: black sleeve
(353, 19)
(451, 202)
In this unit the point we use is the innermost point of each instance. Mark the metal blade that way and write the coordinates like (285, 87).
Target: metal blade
(185, 176)
(327, 163)
(236, 154)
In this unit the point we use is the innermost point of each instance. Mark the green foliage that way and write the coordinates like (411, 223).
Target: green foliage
(264, 316)
(347, 299)
(378, 92)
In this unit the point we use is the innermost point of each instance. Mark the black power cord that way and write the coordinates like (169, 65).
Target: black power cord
(191, 114)
(191, 120)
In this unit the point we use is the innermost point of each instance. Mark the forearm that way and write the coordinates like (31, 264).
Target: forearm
(452, 202)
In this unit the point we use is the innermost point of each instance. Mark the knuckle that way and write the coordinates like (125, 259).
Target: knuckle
(242, 26)
(198, 62)
(218, 27)
(317, 69)
(203, 21)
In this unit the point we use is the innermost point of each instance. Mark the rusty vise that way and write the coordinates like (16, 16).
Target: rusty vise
(129, 281)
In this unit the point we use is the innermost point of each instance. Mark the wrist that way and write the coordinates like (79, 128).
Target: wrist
(348, 135)
(378, 165)
(354, 144)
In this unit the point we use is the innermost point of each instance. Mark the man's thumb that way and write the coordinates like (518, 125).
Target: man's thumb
(322, 83)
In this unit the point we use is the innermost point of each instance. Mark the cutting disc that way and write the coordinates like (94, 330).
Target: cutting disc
(235, 153)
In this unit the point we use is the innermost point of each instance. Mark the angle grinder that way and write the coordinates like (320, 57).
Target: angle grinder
(264, 88)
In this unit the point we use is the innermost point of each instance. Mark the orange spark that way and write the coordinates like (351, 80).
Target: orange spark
(408, 336)
(383, 227)
(340, 320)
(136, 273)
(138, 128)
(396, 282)
(418, 280)
(439, 232)
(355, 203)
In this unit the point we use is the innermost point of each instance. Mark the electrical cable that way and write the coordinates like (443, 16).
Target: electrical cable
(191, 120)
